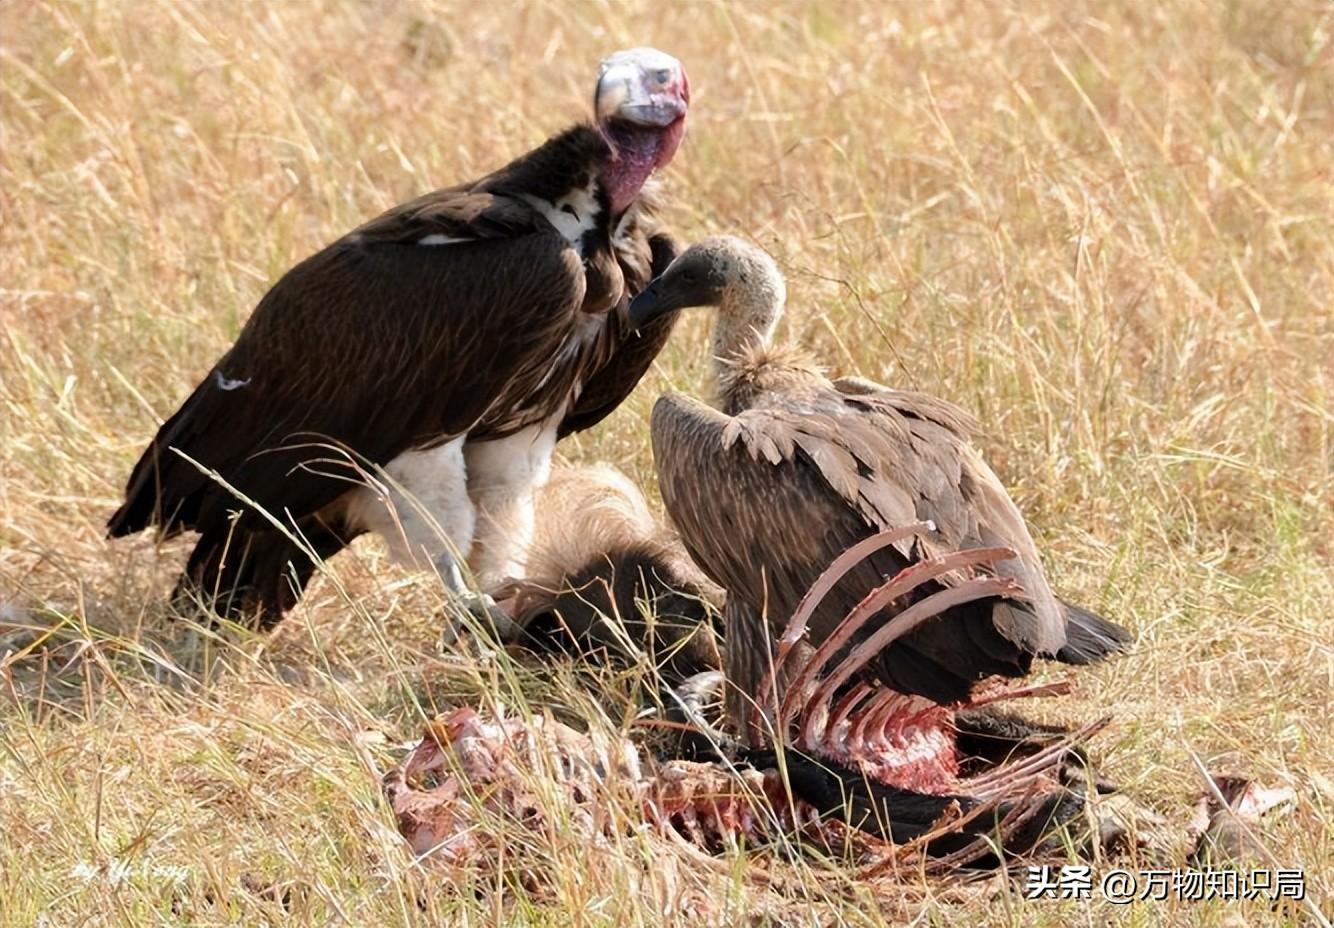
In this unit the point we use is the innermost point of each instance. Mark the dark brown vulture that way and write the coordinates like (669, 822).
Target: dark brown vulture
(450, 341)
(793, 469)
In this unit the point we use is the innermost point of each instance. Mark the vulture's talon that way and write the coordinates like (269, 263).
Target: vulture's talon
(703, 688)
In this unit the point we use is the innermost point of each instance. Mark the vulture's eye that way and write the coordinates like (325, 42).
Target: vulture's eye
(663, 76)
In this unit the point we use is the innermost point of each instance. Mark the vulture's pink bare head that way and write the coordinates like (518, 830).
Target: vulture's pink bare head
(640, 104)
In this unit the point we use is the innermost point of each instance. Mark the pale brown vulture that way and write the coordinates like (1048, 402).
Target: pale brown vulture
(450, 341)
(793, 469)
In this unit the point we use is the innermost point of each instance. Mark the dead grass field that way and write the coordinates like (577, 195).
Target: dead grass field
(1108, 228)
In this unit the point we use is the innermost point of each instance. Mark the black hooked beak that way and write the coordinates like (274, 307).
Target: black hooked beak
(647, 306)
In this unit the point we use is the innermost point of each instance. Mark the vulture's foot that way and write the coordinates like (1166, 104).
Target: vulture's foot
(471, 611)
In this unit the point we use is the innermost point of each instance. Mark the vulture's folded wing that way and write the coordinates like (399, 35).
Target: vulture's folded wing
(623, 357)
(956, 488)
(920, 405)
(379, 343)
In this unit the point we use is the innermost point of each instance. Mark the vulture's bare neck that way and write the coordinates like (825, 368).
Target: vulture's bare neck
(745, 322)
(749, 311)
(746, 363)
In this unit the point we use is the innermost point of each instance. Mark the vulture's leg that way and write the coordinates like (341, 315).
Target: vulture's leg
(428, 517)
(748, 664)
(504, 476)
(428, 521)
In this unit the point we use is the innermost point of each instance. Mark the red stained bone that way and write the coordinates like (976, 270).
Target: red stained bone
(511, 768)
(708, 803)
(1001, 694)
(1006, 778)
(515, 768)
(898, 740)
(903, 623)
(836, 571)
(902, 583)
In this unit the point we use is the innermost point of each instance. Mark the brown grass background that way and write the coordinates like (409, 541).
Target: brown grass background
(1108, 228)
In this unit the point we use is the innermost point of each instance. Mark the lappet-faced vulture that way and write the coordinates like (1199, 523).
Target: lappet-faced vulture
(789, 472)
(451, 341)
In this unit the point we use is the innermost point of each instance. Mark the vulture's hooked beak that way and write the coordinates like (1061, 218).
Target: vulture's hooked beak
(647, 306)
(643, 87)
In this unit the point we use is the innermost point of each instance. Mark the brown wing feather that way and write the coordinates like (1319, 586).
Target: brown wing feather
(724, 497)
(956, 489)
(919, 405)
(626, 356)
(376, 345)
(495, 206)
(462, 212)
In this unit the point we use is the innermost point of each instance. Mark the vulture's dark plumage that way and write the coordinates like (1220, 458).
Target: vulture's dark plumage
(793, 469)
(450, 341)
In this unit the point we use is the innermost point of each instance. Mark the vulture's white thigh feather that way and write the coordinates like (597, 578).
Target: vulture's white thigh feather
(503, 478)
(428, 515)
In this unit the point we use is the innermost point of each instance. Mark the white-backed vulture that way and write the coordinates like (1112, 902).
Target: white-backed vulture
(791, 470)
(451, 341)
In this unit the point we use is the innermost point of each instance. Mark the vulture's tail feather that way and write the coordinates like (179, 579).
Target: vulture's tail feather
(1091, 638)
(159, 492)
(164, 488)
(255, 577)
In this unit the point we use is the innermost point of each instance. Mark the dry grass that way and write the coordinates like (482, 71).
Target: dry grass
(1107, 228)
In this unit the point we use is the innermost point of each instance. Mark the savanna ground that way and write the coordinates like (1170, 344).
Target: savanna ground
(1108, 228)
